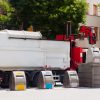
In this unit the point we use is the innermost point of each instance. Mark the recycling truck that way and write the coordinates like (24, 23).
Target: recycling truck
(26, 60)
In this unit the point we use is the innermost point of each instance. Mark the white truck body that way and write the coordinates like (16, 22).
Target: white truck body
(22, 49)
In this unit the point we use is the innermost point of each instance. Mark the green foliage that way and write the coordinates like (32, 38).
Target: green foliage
(6, 11)
(51, 15)
(99, 5)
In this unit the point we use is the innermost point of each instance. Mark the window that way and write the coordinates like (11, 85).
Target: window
(95, 10)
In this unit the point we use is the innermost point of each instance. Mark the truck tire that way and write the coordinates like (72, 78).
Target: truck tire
(61, 78)
(5, 81)
(35, 80)
(27, 79)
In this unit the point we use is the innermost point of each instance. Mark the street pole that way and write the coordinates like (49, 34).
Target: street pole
(68, 28)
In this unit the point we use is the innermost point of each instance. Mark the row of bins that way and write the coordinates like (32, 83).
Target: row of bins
(45, 80)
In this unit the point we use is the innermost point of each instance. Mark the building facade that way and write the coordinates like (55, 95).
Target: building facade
(93, 16)
(92, 20)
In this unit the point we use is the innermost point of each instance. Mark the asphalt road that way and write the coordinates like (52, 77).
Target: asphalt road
(57, 93)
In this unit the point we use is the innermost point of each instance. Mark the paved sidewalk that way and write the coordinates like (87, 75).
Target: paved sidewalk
(58, 93)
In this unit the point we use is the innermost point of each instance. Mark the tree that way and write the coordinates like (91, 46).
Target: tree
(5, 11)
(46, 15)
(98, 7)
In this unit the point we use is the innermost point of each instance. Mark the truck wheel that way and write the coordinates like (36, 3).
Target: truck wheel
(5, 80)
(27, 80)
(61, 78)
(35, 80)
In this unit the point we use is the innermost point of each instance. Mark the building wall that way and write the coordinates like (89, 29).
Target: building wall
(94, 19)
(95, 22)
(91, 3)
